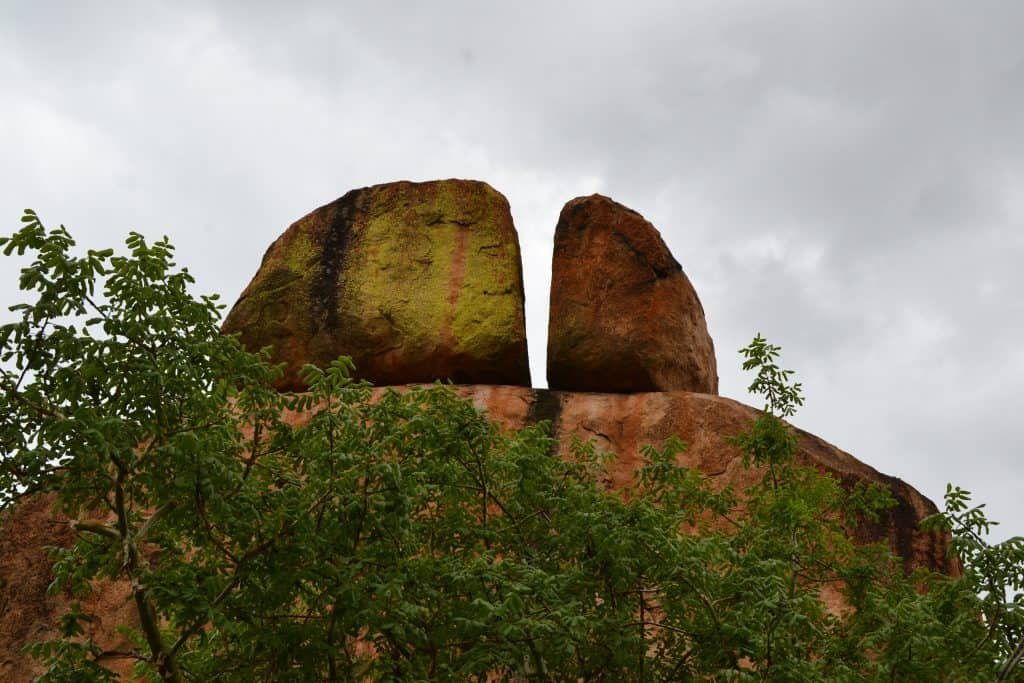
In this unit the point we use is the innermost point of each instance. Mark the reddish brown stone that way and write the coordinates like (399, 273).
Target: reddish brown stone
(624, 317)
(621, 424)
(415, 281)
(30, 614)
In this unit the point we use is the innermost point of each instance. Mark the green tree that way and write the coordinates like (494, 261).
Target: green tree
(409, 538)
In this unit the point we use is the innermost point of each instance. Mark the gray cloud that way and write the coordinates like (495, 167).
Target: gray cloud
(844, 177)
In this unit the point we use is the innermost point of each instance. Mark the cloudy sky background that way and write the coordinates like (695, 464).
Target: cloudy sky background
(846, 178)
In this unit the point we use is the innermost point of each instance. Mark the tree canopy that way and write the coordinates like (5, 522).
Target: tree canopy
(410, 538)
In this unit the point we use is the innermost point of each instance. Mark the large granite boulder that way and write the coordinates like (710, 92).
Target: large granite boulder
(415, 281)
(624, 316)
(619, 423)
(419, 282)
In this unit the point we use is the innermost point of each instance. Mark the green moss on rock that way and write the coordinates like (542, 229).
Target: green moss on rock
(416, 281)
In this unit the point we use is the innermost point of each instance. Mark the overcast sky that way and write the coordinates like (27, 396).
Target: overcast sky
(845, 177)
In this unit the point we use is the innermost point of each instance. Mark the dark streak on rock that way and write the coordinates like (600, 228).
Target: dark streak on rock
(659, 273)
(899, 526)
(326, 285)
(547, 405)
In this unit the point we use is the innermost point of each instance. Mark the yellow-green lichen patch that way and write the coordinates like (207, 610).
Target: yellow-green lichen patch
(396, 273)
(436, 269)
(489, 314)
(415, 281)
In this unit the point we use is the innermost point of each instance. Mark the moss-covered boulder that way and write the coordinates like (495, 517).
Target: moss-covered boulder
(415, 281)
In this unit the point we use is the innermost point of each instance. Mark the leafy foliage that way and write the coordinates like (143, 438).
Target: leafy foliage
(352, 533)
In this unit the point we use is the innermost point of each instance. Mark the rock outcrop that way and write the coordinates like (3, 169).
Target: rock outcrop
(623, 423)
(416, 281)
(624, 316)
(422, 281)
(619, 423)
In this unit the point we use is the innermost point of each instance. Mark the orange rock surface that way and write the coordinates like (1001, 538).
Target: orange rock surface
(620, 423)
(624, 316)
(422, 281)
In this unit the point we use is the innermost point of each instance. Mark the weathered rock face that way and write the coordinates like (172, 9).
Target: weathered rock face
(29, 615)
(416, 281)
(624, 316)
(619, 423)
(623, 423)
(419, 282)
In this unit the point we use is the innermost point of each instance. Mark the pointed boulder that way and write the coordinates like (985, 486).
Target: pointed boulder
(415, 281)
(624, 317)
